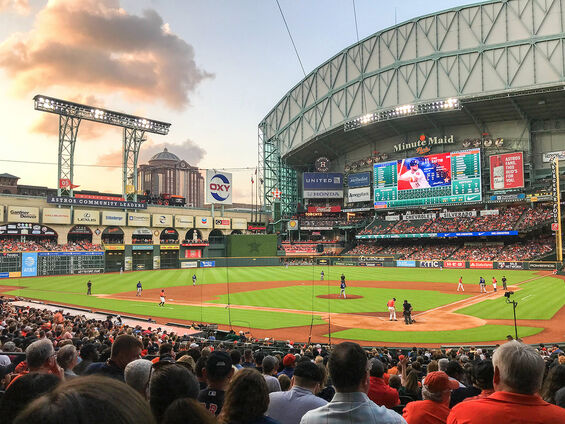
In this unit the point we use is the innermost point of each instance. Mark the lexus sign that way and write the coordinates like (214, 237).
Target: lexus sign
(218, 187)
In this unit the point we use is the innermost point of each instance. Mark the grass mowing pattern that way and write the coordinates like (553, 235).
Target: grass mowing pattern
(486, 333)
(540, 299)
(304, 298)
(219, 315)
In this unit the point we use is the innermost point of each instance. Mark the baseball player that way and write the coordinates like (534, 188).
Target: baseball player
(194, 279)
(322, 276)
(407, 312)
(162, 298)
(342, 287)
(494, 283)
(89, 288)
(483, 285)
(415, 176)
(504, 287)
(460, 284)
(391, 309)
(139, 288)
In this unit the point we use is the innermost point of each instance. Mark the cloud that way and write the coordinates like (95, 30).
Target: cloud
(48, 123)
(188, 151)
(18, 6)
(94, 46)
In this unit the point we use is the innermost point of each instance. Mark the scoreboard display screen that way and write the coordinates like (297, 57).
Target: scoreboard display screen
(438, 179)
(60, 263)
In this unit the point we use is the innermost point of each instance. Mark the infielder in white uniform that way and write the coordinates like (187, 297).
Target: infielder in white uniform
(415, 176)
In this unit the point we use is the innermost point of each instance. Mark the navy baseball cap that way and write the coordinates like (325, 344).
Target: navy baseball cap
(414, 162)
(218, 365)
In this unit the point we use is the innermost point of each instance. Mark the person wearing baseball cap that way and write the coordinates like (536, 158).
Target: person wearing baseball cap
(289, 362)
(436, 392)
(218, 373)
(414, 177)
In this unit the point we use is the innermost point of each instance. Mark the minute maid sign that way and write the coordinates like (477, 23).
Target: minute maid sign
(423, 144)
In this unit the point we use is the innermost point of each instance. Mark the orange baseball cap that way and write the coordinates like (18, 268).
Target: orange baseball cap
(438, 381)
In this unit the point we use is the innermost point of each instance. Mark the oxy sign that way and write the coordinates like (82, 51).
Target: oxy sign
(218, 187)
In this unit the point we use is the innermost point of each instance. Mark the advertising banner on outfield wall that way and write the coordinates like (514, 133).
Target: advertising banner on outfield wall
(207, 264)
(454, 264)
(430, 264)
(56, 216)
(480, 265)
(509, 265)
(29, 264)
(542, 265)
(23, 214)
(406, 264)
(160, 220)
(355, 195)
(139, 219)
(507, 171)
(85, 217)
(113, 218)
(184, 221)
(222, 223)
(239, 224)
(188, 264)
(203, 222)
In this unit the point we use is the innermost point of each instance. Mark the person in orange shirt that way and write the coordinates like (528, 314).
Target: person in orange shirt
(518, 374)
(391, 309)
(162, 298)
(434, 408)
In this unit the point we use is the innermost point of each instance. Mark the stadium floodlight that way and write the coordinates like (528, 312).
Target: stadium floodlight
(402, 112)
(104, 116)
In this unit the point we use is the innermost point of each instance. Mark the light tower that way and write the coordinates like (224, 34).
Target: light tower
(70, 116)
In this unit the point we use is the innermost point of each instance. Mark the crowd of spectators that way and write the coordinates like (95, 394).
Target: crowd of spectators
(14, 245)
(511, 218)
(76, 369)
(525, 250)
(534, 217)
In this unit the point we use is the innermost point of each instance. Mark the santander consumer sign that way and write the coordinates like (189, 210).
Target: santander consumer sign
(218, 187)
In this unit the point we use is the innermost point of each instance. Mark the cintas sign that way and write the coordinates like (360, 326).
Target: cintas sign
(218, 187)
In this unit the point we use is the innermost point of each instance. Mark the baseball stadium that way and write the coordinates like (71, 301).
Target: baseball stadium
(409, 194)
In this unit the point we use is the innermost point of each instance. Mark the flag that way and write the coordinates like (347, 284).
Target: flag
(252, 180)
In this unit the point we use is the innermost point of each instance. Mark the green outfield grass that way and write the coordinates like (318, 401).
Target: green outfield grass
(116, 283)
(540, 299)
(305, 298)
(486, 333)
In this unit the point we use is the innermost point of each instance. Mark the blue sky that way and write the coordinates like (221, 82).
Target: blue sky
(229, 64)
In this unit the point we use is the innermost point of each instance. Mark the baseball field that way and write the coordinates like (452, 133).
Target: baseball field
(294, 303)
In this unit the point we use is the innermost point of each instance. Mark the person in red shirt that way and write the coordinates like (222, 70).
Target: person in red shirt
(391, 309)
(434, 408)
(518, 374)
(379, 392)
(162, 298)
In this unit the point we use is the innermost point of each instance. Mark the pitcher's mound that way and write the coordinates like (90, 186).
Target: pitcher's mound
(336, 296)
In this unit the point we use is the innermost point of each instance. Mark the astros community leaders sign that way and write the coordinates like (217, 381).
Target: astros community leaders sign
(73, 201)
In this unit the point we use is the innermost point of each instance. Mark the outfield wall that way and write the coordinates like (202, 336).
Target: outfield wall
(32, 264)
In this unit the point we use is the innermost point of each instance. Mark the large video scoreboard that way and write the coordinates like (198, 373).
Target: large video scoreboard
(439, 179)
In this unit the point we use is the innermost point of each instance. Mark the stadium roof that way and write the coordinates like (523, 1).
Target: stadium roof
(533, 105)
